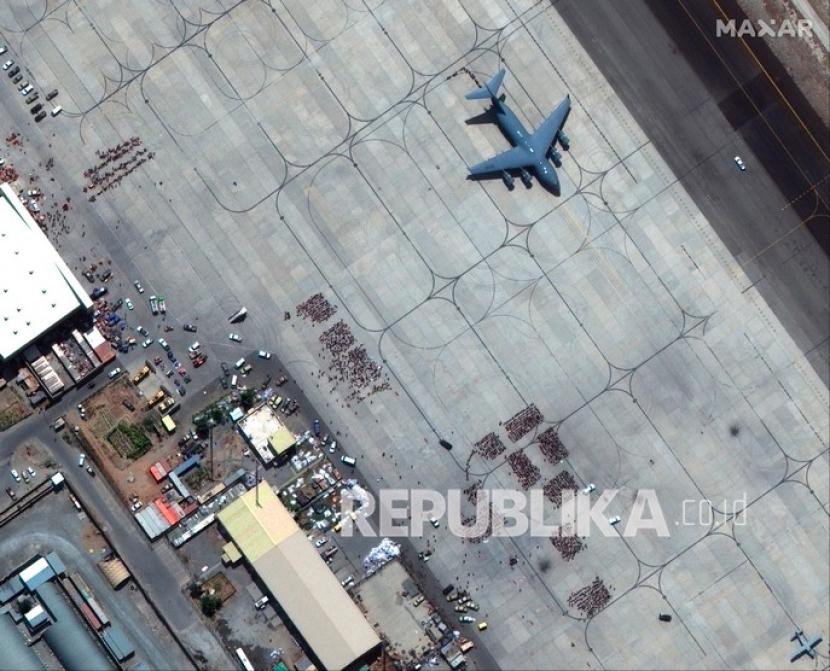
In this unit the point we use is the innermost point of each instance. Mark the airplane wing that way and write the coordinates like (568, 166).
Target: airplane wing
(517, 157)
(544, 136)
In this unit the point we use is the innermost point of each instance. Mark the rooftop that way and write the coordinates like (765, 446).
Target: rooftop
(300, 581)
(37, 289)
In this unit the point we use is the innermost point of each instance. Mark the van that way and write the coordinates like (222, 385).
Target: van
(238, 365)
(233, 382)
(349, 461)
(57, 110)
(261, 603)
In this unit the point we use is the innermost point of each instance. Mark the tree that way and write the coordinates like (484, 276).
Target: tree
(210, 604)
(248, 397)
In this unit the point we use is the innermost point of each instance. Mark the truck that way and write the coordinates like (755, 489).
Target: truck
(59, 424)
(140, 375)
(155, 398)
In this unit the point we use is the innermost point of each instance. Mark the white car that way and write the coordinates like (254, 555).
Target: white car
(739, 162)
(3, 50)
(164, 343)
(434, 522)
(129, 304)
(614, 520)
(147, 343)
(81, 459)
(262, 354)
(15, 475)
(194, 347)
(235, 337)
(31, 472)
(115, 372)
(589, 488)
(138, 287)
(7, 65)
(320, 542)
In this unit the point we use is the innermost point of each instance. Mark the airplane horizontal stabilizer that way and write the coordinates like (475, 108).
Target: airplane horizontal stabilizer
(489, 90)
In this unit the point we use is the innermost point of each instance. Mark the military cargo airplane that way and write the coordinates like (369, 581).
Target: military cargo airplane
(534, 151)
(805, 646)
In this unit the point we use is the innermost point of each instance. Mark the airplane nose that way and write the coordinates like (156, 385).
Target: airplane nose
(549, 180)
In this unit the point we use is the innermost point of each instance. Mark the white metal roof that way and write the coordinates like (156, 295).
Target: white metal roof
(37, 289)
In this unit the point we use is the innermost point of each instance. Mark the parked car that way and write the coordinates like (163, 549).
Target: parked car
(739, 162)
(142, 330)
(14, 72)
(7, 65)
(182, 391)
(224, 382)
(117, 304)
(3, 49)
(262, 354)
(190, 327)
(164, 343)
(129, 304)
(136, 284)
(36, 108)
(15, 475)
(162, 305)
(81, 459)
(147, 343)
(226, 369)
(97, 292)
(40, 117)
(114, 373)
(31, 472)
(27, 90)
(154, 304)
(17, 79)
(32, 98)
(51, 95)
(194, 347)
(235, 337)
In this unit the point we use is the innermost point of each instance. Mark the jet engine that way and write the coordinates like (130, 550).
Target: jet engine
(507, 178)
(555, 156)
(564, 141)
(526, 179)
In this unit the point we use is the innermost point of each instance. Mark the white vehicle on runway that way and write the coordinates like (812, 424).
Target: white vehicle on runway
(138, 287)
(164, 344)
(235, 337)
(81, 459)
(262, 354)
(739, 162)
(129, 304)
(31, 472)
(15, 475)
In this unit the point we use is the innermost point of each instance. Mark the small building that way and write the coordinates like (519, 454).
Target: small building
(265, 433)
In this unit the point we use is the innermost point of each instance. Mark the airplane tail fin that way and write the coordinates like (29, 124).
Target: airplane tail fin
(489, 90)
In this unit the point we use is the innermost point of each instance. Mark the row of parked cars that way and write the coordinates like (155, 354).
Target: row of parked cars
(28, 90)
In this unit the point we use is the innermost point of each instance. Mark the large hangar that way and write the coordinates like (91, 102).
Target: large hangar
(37, 289)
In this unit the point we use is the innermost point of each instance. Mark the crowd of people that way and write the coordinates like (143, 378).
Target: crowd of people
(337, 340)
(558, 484)
(317, 309)
(526, 471)
(490, 446)
(523, 422)
(349, 363)
(108, 174)
(590, 599)
(551, 446)
(568, 546)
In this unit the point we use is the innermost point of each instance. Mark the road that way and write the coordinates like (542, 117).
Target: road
(702, 100)
(154, 566)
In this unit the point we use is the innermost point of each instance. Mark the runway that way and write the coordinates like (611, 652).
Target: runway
(702, 99)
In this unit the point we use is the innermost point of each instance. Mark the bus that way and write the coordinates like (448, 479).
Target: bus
(243, 660)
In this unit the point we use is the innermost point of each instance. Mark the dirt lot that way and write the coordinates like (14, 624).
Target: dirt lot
(110, 426)
(12, 408)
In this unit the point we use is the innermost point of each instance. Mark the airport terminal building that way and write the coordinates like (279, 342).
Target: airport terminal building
(37, 289)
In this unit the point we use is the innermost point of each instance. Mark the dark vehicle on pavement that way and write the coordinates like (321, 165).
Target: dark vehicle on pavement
(40, 117)
(51, 94)
(32, 98)
(190, 327)
(97, 292)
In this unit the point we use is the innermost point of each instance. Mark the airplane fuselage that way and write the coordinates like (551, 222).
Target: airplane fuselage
(516, 134)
